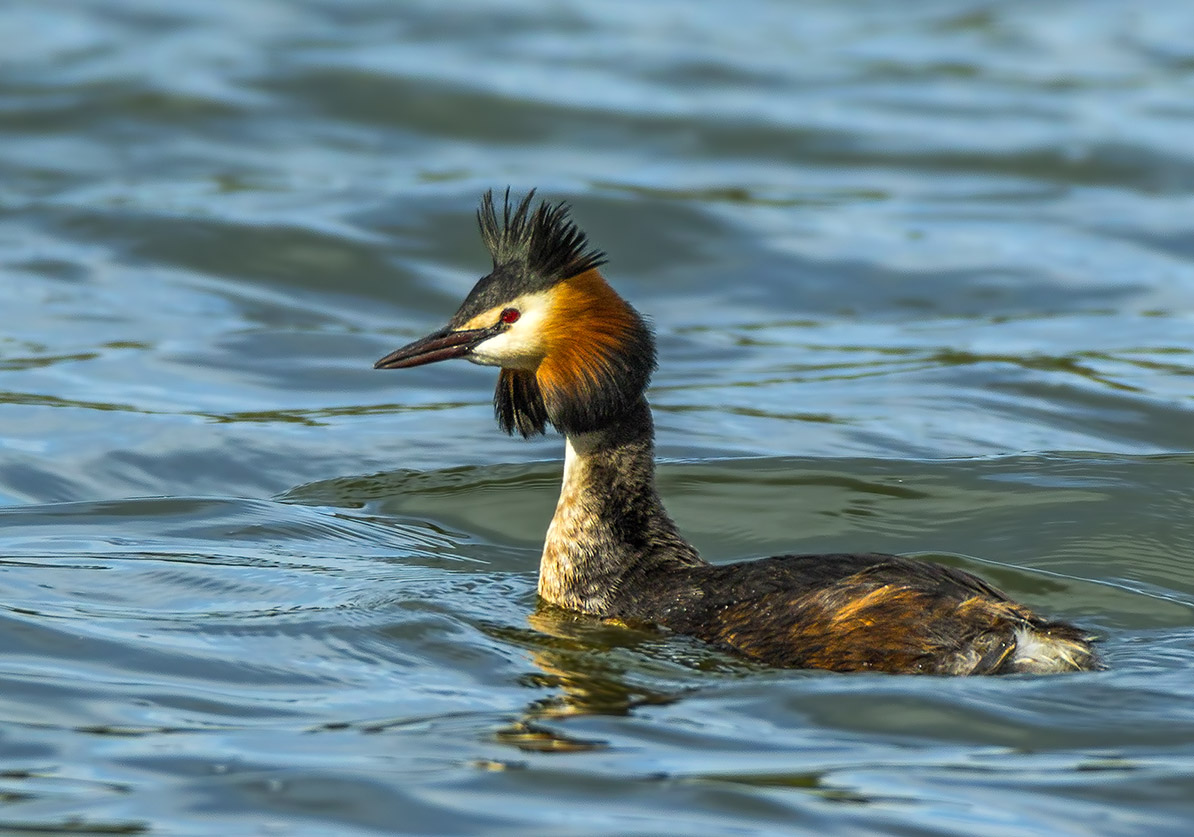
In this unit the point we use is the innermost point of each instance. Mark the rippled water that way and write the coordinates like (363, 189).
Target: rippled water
(923, 280)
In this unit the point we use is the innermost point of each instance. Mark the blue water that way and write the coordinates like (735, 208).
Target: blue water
(923, 281)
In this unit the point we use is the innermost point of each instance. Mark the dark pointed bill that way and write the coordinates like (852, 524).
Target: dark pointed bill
(444, 344)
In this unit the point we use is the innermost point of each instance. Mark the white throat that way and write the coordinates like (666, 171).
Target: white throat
(572, 517)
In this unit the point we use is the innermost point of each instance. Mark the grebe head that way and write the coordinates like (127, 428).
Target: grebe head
(571, 350)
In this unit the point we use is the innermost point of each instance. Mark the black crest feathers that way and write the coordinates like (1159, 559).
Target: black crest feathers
(544, 242)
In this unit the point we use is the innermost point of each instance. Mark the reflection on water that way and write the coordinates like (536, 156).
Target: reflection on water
(923, 282)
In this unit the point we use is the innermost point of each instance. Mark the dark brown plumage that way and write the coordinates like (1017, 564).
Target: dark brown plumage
(575, 354)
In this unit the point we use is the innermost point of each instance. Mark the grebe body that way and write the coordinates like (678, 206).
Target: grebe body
(575, 355)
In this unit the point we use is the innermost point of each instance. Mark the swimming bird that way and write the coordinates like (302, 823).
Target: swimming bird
(574, 354)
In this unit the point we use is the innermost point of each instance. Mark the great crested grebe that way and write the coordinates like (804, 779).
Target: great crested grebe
(573, 353)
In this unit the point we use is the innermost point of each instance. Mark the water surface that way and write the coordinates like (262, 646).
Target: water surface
(923, 282)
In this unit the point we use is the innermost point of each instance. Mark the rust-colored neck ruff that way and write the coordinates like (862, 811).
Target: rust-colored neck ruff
(595, 356)
(586, 331)
(598, 356)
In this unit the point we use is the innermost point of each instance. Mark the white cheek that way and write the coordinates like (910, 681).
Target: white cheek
(520, 346)
(507, 349)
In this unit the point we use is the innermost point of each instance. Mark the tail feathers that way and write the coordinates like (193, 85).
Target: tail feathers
(1049, 649)
(1018, 641)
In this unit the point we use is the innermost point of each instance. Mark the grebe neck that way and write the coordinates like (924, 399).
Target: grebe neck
(610, 528)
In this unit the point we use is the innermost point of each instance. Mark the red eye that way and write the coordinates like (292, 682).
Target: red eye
(510, 315)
